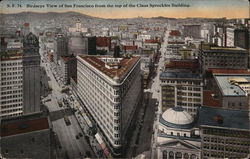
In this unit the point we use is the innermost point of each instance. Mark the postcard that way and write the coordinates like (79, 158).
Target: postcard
(143, 79)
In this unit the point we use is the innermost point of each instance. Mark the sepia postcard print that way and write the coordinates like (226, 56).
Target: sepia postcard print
(142, 79)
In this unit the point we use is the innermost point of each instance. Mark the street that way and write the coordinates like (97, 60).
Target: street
(71, 143)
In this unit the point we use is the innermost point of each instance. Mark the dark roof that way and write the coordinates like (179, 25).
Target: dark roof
(183, 64)
(229, 118)
(103, 41)
(179, 74)
(130, 47)
(175, 33)
(228, 71)
(20, 126)
(151, 41)
(209, 100)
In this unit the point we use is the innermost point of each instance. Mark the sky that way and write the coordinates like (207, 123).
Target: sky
(197, 8)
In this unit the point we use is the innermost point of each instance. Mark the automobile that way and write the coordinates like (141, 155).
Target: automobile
(67, 121)
(80, 134)
(77, 137)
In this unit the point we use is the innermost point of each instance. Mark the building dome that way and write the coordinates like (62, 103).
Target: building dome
(177, 117)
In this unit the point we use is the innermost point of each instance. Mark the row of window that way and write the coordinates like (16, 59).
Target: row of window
(11, 64)
(11, 96)
(10, 115)
(11, 73)
(11, 68)
(11, 101)
(188, 94)
(11, 92)
(11, 78)
(182, 82)
(11, 87)
(226, 133)
(11, 82)
(11, 110)
(11, 106)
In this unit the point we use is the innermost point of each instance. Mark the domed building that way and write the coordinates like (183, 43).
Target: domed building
(177, 135)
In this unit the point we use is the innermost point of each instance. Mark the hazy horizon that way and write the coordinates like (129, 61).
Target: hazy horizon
(230, 9)
(160, 16)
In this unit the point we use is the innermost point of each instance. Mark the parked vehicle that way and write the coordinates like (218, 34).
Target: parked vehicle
(67, 121)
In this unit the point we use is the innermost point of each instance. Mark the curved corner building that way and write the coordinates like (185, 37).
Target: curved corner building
(111, 90)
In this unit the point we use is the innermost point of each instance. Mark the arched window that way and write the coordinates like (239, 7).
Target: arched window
(186, 156)
(165, 155)
(193, 156)
(171, 155)
(178, 155)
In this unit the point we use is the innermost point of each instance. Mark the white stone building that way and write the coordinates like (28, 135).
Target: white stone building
(11, 86)
(110, 89)
(177, 135)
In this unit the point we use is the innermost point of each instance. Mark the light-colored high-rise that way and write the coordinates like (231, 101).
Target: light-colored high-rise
(110, 89)
(11, 84)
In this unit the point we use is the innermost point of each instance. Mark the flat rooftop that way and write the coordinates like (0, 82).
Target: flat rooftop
(124, 65)
(179, 74)
(210, 100)
(12, 55)
(229, 118)
(23, 124)
(229, 71)
(227, 48)
(227, 88)
(218, 49)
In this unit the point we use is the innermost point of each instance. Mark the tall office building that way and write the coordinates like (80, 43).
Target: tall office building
(90, 45)
(192, 31)
(11, 83)
(61, 47)
(181, 88)
(241, 38)
(31, 74)
(222, 57)
(110, 89)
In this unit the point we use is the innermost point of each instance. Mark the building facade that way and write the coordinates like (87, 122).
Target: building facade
(31, 75)
(178, 137)
(192, 31)
(181, 88)
(61, 47)
(11, 84)
(224, 136)
(68, 67)
(232, 91)
(27, 136)
(230, 37)
(90, 45)
(110, 89)
(223, 57)
(241, 38)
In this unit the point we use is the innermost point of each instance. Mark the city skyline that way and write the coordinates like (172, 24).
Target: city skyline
(196, 9)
